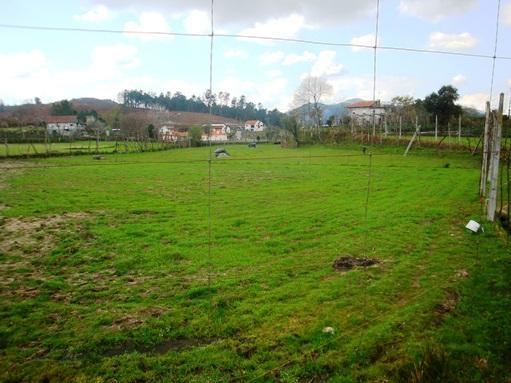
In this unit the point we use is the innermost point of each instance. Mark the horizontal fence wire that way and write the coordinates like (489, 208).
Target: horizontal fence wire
(37, 165)
(255, 37)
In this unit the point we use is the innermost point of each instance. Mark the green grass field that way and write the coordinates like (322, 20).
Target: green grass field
(60, 148)
(106, 273)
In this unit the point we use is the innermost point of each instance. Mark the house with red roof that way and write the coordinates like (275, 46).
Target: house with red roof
(64, 126)
(362, 111)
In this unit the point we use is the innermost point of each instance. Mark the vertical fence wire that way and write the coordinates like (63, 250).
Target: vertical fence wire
(495, 47)
(375, 50)
(210, 239)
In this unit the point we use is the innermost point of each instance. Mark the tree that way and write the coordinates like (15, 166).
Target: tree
(37, 101)
(442, 104)
(310, 92)
(62, 108)
(195, 135)
(291, 126)
(151, 131)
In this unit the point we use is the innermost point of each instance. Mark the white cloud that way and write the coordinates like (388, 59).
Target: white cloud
(506, 14)
(285, 27)
(435, 10)
(110, 61)
(269, 93)
(245, 13)
(97, 14)
(236, 53)
(22, 65)
(367, 40)
(325, 65)
(274, 73)
(269, 58)
(147, 22)
(197, 22)
(294, 58)
(24, 75)
(458, 42)
(275, 57)
(459, 79)
(185, 87)
(346, 87)
(475, 100)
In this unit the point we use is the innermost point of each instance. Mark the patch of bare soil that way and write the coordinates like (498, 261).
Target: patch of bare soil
(33, 234)
(169, 345)
(349, 262)
(449, 303)
(8, 169)
(24, 240)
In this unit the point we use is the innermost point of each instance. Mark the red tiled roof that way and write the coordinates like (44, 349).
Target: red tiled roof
(365, 104)
(251, 122)
(61, 119)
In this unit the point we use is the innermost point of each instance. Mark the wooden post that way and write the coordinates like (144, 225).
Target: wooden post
(436, 128)
(459, 129)
(97, 140)
(385, 126)
(46, 141)
(417, 130)
(400, 126)
(374, 124)
(6, 147)
(494, 170)
(484, 165)
(449, 133)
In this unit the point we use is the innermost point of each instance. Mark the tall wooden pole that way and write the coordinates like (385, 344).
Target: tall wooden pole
(484, 165)
(494, 170)
(400, 126)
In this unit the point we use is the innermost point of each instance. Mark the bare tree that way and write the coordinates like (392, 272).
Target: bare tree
(311, 92)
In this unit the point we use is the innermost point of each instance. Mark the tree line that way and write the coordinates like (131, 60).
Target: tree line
(221, 104)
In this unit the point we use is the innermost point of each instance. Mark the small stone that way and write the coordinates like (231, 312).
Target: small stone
(328, 330)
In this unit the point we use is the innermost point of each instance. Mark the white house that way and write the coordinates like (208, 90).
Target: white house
(219, 132)
(254, 126)
(362, 112)
(64, 126)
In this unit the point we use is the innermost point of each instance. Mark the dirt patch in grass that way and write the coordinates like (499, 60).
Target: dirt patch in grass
(348, 262)
(449, 303)
(35, 235)
(164, 347)
(23, 243)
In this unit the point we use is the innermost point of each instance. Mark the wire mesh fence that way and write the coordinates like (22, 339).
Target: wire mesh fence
(215, 210)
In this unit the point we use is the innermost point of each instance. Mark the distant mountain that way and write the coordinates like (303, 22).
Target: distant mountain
(337, 110)
(472, 112)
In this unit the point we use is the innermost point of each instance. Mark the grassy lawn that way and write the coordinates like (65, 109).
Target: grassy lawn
(106, 273)
(74, 147)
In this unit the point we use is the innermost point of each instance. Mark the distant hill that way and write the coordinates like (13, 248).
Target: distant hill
(472, 112)
(337, 110)
(28, 114)
(87, 103)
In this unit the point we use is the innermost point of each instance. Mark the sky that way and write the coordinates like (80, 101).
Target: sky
(54, 65)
